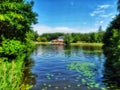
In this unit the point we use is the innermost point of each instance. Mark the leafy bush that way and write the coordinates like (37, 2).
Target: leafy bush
(111, 50)
(11, 48)
(44, 39)
(38, 39)
(68, 39)
(29, 42)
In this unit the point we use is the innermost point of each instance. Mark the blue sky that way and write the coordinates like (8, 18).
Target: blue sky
(73, 15)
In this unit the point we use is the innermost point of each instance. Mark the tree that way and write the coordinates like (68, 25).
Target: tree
(118, 7)
(100, 36)
(16, 18)
(68, 39)
(76, 38)
(16, 34)
(38, 39)
(51, 36)
(111, 50)
(43, 39)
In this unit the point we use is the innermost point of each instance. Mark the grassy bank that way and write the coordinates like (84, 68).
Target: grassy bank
(11, 74)
(87, 44)
(74, 44)
(42, 43)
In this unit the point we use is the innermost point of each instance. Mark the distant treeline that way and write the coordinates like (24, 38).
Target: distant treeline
(76, 37)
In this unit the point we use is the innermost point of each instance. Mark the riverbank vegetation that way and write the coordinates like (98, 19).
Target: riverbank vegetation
(16, 41)
(72, 44)
(87, 44)
(93, 38)
(111, 49)
(17, 36)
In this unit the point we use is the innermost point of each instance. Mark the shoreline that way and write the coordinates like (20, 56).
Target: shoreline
(87, 44)
(72, 44)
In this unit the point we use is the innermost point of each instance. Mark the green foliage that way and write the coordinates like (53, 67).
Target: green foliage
(16, 37)
(51, 36)
(76, 38)
(111, 49)
(38, 39)
(11, 48)
(95, 37)
(86, 70)
(36, 35)
(111, 38)
(44, 39)
(16, 18)
(29, 37)
(11, 75)
(68, 39)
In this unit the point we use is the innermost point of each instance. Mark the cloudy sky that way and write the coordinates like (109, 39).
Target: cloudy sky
(73, 15)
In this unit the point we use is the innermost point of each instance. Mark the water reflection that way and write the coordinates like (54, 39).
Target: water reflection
(29, 78)
(51, 65)
(92, 48)
(67, 51)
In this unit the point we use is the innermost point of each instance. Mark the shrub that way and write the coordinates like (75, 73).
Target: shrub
(11, 48)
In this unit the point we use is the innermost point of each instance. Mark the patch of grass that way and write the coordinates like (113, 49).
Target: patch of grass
(11, 74)
(42, 43)
(87, 44)
(74, 44)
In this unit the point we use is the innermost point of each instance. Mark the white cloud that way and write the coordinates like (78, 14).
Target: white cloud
(97, 12)
(47, 29)
(113, 16)
(101, 22)
(92, 14)
(104, 6)
(100, 11)
(102, 14)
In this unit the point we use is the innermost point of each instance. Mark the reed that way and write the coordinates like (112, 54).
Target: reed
(11, 74)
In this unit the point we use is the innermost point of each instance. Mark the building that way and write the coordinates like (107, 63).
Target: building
(60, 40)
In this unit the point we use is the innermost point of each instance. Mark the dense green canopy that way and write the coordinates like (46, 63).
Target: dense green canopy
(111, 49)
(16, 17)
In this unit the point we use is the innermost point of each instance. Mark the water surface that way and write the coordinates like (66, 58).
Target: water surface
(57, 67)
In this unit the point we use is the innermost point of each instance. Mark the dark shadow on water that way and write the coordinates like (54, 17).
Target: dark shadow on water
(29, 78)
(112, 74)
(67, 51)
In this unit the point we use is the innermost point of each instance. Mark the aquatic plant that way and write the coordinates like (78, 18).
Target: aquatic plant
(87, 73)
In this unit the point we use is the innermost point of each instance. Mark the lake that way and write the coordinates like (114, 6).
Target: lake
(57, 67)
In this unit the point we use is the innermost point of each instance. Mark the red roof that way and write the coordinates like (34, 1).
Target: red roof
(57, 40)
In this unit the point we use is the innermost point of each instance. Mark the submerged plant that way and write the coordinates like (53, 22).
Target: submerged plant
(87, 73)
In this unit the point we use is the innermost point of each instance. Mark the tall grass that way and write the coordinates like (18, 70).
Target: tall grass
(87, 44)
(11, 74)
